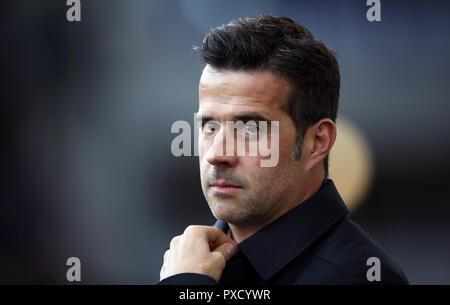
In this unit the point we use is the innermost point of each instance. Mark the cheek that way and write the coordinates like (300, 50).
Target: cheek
(201, 145)
(266, 182)
(204, 145)
(287, 143)
(203, 164)
(287, 149)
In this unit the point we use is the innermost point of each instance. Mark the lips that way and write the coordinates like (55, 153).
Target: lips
(223, 183)
(224, 187)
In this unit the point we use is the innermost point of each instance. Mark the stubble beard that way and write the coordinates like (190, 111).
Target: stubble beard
(239, 212)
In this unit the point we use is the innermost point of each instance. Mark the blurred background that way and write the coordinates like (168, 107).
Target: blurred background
(86, 109)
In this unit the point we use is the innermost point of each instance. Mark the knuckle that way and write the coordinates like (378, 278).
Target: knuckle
(191, 229)
(217, 230)
(174, 241)
(166, 254)
(220, 259)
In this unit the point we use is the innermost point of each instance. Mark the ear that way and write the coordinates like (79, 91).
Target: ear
(322, 136)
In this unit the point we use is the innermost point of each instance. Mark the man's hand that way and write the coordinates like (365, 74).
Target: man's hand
(201, 249)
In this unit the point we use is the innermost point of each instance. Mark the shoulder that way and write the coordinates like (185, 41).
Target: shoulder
(355, 257)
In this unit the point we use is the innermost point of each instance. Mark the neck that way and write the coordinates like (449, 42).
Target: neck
(240, 232)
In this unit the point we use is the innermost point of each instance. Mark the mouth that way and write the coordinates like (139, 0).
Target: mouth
(224, 187)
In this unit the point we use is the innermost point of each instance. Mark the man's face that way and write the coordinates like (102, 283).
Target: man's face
(237, 188)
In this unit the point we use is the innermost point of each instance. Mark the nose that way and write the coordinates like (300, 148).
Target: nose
(216, 154)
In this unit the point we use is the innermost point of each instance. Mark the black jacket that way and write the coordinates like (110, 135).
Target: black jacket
(314, 243)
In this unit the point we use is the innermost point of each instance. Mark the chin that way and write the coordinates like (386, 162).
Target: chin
(223, 211)
(227, 218)
(228, 214)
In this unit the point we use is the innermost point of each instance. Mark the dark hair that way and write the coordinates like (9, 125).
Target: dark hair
(284, 47)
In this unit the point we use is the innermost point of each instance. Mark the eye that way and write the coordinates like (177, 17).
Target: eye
(251, 128)
(211, 127)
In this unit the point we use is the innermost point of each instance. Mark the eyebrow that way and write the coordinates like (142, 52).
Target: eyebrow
(245, 117)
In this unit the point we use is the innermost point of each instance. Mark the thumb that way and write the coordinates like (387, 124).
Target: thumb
(227, 250)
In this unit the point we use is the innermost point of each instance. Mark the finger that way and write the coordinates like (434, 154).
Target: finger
(227, 250)
(166, 255)
(174, 241)
(162, 273)
(163, 268)
(207, 235)
(217, 237)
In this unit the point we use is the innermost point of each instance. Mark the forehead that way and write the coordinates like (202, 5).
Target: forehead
(228, 92)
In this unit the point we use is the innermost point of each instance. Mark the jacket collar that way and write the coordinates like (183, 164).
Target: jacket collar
(275, 245)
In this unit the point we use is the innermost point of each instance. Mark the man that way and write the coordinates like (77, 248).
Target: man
(282, 224)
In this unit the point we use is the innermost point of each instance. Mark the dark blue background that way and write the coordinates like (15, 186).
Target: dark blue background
(86, 110)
